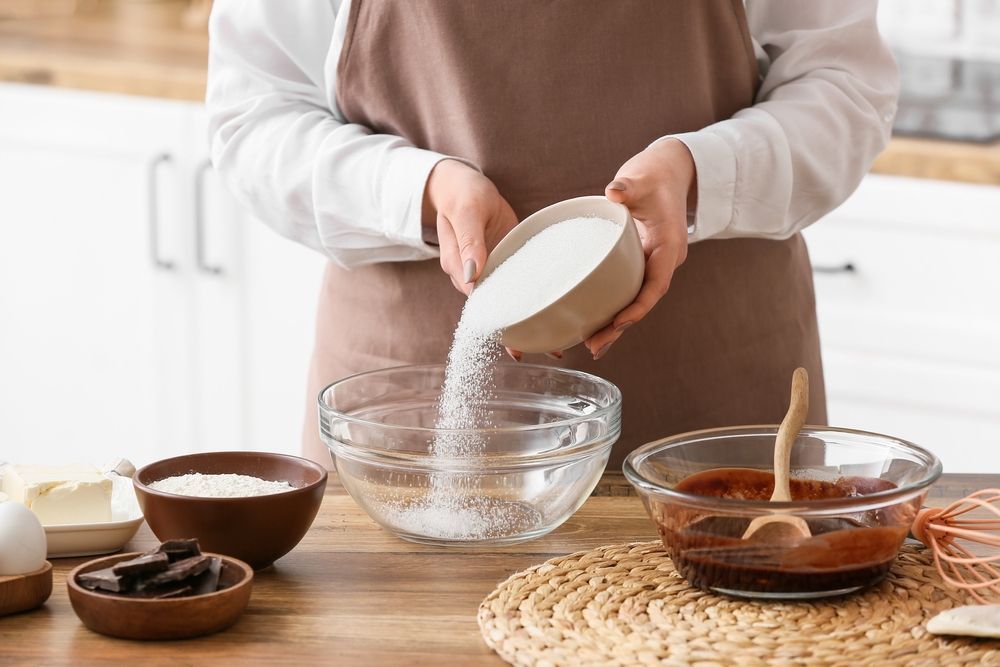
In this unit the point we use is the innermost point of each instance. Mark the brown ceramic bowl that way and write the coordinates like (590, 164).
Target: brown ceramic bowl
(172, 618)
(259, 529)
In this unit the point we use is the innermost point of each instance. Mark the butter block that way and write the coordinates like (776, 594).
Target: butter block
(65, 494)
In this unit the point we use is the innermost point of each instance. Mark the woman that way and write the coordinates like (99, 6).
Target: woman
(388, 133)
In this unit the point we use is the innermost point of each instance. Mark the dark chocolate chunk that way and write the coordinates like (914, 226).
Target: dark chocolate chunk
(144, 564)
(180, 549)
(208, 581)
(179, 571)
(176, 568)
(105, 580)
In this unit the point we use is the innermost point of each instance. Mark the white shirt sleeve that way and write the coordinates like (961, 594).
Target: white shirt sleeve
(823, 113)
(280, 148)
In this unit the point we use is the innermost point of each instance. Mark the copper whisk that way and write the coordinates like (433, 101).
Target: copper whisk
(943, 531)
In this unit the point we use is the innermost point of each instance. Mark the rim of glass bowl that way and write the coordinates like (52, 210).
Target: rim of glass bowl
(496, 461)
(932, 463)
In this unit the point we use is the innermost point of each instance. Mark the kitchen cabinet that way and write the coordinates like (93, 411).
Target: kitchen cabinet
(908, 296)
(130, 287)
(143, 313)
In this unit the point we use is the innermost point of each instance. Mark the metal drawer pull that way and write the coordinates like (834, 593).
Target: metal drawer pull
(199, 221)
(846, 267)
(153, 212)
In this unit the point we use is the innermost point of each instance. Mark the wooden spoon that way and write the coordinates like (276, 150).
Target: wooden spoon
(781, 528)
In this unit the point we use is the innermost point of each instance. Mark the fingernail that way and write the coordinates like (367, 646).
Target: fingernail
(554, 355)
(601, 352)
(616, 185)
(470, 270)
(623, 326)
(516, 356)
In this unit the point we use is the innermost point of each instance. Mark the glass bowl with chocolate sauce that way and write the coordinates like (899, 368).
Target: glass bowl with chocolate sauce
(858, 492)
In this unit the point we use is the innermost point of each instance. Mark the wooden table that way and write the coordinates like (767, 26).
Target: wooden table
(351, 593)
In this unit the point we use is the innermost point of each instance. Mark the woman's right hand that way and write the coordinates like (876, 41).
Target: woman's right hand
(469, 216)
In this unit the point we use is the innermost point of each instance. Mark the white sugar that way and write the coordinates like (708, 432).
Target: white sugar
(219, 486)
(547, 266)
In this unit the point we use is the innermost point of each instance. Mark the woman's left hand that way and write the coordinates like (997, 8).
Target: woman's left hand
(658, 186)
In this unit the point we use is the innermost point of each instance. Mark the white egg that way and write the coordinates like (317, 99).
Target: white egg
(22, 540)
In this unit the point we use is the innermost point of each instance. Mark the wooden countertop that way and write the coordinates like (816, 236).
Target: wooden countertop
(143, 48)
(138, 48)
(351, 593)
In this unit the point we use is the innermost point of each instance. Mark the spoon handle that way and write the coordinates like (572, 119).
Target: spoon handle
(794, 419)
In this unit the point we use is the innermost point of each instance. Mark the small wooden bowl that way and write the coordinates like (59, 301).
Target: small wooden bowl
(170, 618)
(25, 591)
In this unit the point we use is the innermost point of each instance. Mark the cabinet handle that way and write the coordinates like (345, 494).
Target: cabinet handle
(153, 214)
(846, 267)
(199, 220)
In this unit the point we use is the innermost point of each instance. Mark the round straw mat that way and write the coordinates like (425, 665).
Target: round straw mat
(625, 604)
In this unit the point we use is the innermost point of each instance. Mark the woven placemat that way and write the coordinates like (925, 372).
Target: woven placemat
(625, 604)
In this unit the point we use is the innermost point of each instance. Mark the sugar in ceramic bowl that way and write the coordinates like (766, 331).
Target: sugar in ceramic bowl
(593, 302)
(257, 529)
(551, 437)
(858, 492)
(167, 618)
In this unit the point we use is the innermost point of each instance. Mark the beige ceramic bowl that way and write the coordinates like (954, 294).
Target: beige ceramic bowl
(595, 300)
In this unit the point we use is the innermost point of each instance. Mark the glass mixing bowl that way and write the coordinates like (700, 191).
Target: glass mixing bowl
(551, 435)
(858, 492)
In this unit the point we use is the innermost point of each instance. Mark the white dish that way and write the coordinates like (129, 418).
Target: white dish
(92, 539)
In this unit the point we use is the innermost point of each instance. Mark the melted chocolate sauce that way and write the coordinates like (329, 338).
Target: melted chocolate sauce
(843, 552)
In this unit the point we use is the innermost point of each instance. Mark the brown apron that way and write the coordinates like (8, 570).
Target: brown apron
(549, 99)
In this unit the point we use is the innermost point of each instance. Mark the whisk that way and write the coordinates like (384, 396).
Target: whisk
(944, 529)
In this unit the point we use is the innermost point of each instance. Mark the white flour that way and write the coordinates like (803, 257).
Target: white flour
(547, 266)
(219, 486)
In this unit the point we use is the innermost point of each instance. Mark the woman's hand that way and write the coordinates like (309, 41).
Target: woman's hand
(468, 216)
(658, 186)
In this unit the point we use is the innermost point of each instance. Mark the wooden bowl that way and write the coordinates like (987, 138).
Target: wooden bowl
(25, 591)
(259, 529)
(170, 618)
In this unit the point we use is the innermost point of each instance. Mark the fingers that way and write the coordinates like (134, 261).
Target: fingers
(659, 272)
(451, 259)
(501, 224)
(601, 342)
(516, 355)
(468, 233)
(634, 191)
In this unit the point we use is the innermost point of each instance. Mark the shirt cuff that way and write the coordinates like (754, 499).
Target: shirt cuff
(715, 166)
(404, 180)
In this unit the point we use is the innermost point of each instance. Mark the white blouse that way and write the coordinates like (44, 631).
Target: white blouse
(823, 112)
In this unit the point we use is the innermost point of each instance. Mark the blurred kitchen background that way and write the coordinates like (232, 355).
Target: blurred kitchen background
(142, 313)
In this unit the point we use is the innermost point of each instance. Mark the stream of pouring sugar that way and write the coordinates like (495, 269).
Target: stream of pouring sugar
(547, 266)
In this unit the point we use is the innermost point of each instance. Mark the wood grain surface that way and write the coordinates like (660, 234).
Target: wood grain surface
(138, 48)
(26, 591)
(352, 594)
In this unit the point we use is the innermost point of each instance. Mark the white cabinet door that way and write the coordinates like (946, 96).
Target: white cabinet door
(93, 331)
(911, 335)
(255, 295)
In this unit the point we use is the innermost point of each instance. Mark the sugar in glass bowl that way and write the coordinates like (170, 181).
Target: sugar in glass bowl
(858, 492)
(549, 440)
